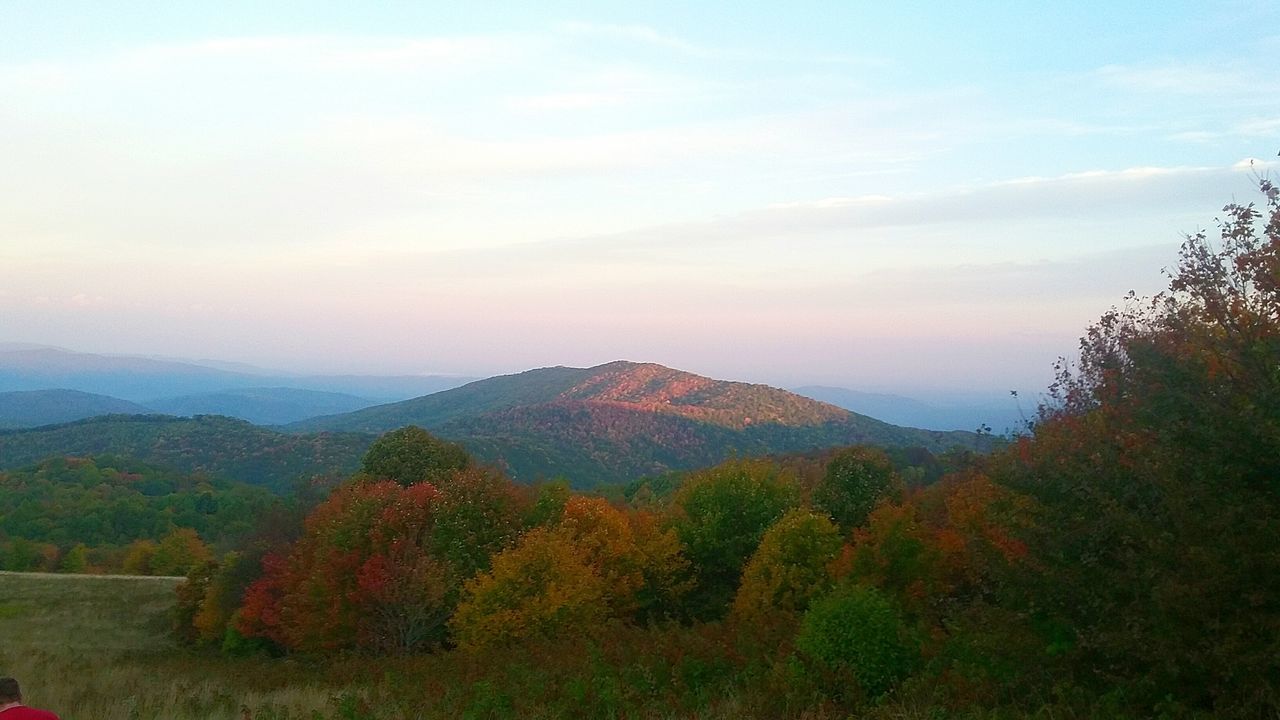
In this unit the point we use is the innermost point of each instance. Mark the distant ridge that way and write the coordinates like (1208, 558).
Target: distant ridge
(32, 408)
(143, 379)
(262, 406)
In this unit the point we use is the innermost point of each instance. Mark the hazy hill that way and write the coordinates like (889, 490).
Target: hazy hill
(31, 408)
(616, 421)
(637, 386)
(998, 414)
(142, 379)
(220, 446)
(262, 406)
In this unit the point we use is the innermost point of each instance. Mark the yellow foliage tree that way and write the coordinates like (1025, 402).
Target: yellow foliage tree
(535, 589)
(178, 552)
(598, 562)
(137, 559)
(791, 566)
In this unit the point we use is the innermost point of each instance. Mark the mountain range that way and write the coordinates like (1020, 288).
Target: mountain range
(605, 424)
(144, 380)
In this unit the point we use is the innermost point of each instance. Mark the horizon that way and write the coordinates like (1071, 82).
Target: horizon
(826, 195)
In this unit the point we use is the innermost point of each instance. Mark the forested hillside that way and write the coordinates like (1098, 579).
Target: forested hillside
(110, 514)
(219, 446)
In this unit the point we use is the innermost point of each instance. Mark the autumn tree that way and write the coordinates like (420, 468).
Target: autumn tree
(537, 589)
(178, 552)
(1156, 462)
(596, 563)
(137, 558)
(790, 568)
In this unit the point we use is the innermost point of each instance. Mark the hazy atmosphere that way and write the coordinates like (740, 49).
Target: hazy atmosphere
(841, 193)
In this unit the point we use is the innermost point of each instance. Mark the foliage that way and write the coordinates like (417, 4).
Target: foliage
(721, 515)
(596, 563)
(222, 447)
(108, 514)
(790, 568)
(855, 480)
(952, 542)
(479, 513)
(412, 455)
(537, 589)
(178, 552)
(1156, 465)
(857, 630)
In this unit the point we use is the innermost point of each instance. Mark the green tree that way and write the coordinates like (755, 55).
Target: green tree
(855, 480)
(412, 455)
(721, 514)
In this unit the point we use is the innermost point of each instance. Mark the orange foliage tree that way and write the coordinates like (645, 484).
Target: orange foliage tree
(597, 562)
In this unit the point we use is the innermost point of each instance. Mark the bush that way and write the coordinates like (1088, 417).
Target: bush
(857, 631)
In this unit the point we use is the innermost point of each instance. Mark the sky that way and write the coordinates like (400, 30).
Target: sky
(923, 198)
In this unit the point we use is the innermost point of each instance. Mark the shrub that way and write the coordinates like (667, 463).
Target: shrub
(857, 631)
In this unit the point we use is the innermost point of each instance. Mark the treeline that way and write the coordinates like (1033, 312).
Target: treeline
(1122, 559)
(109, 514)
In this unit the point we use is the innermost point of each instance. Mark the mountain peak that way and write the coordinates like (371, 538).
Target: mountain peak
(656, 388)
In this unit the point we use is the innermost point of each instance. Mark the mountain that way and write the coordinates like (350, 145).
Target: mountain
(262, 406)
(219, 446)
(617, 421)
(142, 379)
(32, 408)
(1000, 416)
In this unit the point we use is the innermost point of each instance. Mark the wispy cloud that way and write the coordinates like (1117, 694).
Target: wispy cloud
(331, 53)
(1191, 79)
(642, 34)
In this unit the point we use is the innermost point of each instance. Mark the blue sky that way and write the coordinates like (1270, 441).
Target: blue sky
(915, 197)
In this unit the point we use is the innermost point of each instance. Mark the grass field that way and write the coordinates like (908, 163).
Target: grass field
(97, 648)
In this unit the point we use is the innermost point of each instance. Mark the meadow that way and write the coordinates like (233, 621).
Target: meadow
(98, 648)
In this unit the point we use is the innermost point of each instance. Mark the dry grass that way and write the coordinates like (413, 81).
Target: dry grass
(95, 648)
